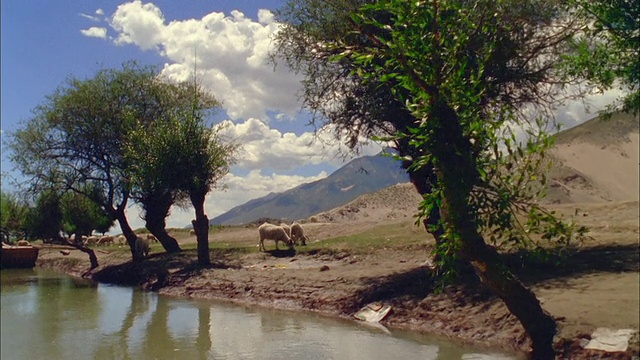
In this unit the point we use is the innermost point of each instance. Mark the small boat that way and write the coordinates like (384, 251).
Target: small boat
(18, 257)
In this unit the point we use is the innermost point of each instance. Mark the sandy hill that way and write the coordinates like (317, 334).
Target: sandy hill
(594, 162)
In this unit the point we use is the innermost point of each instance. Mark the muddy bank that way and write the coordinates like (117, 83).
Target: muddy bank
(334, 283)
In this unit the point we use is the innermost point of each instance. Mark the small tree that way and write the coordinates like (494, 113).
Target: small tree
(165, 155)
(81, 216)
(77, 138)
(45, 218)
(13, 215)
(212, 158)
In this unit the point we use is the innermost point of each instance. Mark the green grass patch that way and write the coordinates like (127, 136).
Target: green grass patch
(401, 235)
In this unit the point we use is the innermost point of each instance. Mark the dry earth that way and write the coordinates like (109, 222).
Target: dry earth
(594, 183)
(596, 287)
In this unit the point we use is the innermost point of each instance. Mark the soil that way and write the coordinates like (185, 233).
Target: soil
(596, 286)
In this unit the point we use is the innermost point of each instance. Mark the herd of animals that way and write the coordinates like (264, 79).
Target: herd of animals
(290, 235)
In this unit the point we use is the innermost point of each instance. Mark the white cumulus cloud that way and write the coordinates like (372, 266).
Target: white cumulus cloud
(96, 32)
(239, 190)
(266, 147)
(230, 54)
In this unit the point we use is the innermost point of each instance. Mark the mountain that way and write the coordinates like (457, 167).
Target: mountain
(359, 176)
(594, 162)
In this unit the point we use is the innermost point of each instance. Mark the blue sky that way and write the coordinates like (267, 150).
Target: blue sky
(44, 42)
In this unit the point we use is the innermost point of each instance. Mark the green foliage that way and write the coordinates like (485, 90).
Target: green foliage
(123, 134)
(607, 52)
(45, 218)
(442, 59)
(178, 157)
(76, 136)
(13, 215)
(81, 215)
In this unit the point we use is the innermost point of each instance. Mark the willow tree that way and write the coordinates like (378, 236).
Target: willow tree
(518, 71)
(608, 51)
(77, 137)
(206, 158)
(179, 160)
(461, 72)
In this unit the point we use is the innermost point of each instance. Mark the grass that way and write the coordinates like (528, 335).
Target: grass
(399, 235)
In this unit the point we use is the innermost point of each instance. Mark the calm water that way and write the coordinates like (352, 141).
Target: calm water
(47, 315)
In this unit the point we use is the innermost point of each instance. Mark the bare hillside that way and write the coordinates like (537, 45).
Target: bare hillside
(596, 161)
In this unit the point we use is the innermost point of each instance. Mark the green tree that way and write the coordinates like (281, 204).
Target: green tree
(462, 71)
(76, 139)
(45, 218)
(13, 215)
(519, 70)
(608, 51)
(176, 160)
(81, 216)
(211, 157)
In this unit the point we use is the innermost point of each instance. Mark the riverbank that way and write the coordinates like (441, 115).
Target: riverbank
(337, 281)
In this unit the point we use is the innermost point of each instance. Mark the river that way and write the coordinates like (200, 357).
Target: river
(48, 315)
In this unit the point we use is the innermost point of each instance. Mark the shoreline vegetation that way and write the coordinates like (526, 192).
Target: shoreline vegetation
(347, 266)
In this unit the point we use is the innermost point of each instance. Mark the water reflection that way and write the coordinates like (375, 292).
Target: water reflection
(46, 315)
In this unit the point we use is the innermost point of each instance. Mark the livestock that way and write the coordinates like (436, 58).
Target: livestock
(105, 240)
(192, 232)
(23, 243)
(91, 240)
(275, 233)
(286, 228)
(297, 234)
(122, 240)
(152, 238)
(142, 246)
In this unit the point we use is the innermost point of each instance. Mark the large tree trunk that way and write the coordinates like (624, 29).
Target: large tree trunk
(201, 227)
(156, 224)
(121, 217)
(457, 174)
(156, 211)
(169, 243)
(423, 180)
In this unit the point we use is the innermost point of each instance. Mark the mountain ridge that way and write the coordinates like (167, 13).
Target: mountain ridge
(359, 176)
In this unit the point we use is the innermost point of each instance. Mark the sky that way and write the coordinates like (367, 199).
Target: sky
(45, 42)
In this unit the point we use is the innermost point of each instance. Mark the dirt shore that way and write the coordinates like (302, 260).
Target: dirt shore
(596, 287)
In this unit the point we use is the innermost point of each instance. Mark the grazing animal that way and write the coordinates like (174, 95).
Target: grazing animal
(275, 233)
(142, 246)
(192, 232)
(91, 240)
(297, 234)
(286, 228)
(152, 238)
(122, 239)
(23, 243)
(106, 240)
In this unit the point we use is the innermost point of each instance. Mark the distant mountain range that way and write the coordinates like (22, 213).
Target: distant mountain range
(359, 176)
